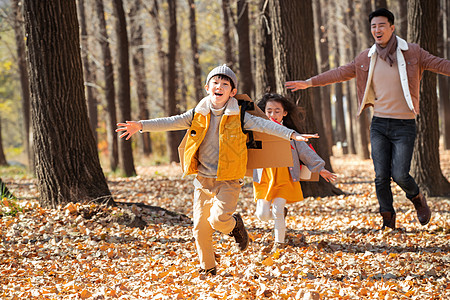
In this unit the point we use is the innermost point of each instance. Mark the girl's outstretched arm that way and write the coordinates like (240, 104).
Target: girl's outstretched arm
(130, 128)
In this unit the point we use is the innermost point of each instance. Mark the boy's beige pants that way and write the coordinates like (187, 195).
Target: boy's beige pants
(214, 203)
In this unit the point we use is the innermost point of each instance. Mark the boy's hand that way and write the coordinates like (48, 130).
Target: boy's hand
(130, 128)
(298, 85)
(327, 175)
(304, 137)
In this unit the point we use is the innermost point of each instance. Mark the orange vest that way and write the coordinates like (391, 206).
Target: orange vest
(232, 146)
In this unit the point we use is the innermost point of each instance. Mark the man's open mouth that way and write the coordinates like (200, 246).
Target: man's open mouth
(218, 94)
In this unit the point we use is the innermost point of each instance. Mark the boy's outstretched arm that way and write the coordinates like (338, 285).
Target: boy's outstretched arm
(327, 175)
(130, 128)
(298, 85)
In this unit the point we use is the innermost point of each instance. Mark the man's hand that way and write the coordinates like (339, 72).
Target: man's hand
(130, 128)
(298, 85)
(304, 137)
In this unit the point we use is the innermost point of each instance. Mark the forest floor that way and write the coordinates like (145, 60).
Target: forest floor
(335, 250)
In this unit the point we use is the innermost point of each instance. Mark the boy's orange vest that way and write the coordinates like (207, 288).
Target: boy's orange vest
(232, 146)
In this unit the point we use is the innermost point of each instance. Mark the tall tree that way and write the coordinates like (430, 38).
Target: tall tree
(3, 161)
(295, 59)
(339, 59)
(195, 54)
(323, 64)
(90, 92)
(123, 88)
(67, 163)
(245, 59)
(264, 76)
(444, 81)
(16, 7)
(173, 138)
(162, 55)
(402, 19)
(228, 44)
(138, 60)
(422, 29)
(110, 94)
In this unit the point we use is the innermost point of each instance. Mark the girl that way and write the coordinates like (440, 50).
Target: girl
(274, 187)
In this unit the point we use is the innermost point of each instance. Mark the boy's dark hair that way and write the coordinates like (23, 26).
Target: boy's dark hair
(382, 12)
(224, 77)
(294, 118)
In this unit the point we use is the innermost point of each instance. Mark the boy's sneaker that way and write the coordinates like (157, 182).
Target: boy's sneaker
(212, 271)
(240, 233)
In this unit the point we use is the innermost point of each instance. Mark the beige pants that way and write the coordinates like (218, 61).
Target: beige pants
(214, 204)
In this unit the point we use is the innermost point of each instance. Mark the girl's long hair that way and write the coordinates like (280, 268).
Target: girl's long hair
(295, 115)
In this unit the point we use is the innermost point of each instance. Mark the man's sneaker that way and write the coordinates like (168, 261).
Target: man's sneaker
(239, 233)
(422, 209)
(212, 271)
(278, 246)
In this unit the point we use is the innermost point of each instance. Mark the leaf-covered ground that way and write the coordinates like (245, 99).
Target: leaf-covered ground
(335, 251)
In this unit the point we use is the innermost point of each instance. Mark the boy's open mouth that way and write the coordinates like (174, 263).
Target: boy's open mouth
(218, 94)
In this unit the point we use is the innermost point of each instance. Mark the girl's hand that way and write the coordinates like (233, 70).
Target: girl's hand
(327, 175)
(130, 128)
(304, 137)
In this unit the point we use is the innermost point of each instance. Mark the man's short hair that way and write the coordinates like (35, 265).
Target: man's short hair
(382, 12)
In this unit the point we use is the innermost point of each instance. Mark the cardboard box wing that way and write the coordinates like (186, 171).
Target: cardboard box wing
(274, 151)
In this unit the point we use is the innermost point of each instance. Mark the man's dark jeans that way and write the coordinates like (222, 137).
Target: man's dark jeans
(392, 143)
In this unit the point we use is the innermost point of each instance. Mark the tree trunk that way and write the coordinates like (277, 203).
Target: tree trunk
(402, 19)
(162, 60)
(339, 51)
(264, 77)
(110, 94)
(229, 57)
(3, 161)
(67, 164)
(138, 60)
(195, 55)
(123, 95)
(16, 7)
(361, 139)
(422, 29)
(295, 59)
(380, 4)
(173, 138)
(321, 39)
(444, 81)
(245, 59)
(90, 93)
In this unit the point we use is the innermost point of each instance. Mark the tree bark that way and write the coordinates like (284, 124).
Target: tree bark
(123, 95)
(3, 161)
(295, 59)
(422, 29)
(90, 93)
(339, 52)
(67, 164)
(444, 81)
(173, 138)
(229, 57)
(195, 55)
(321, 39)
(380, 4)
(110, 94)
(264, 77)
(138, 60)
(245, 59)
(402, 19)
(16, 7)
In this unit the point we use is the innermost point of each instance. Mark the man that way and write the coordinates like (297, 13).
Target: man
(388, 78)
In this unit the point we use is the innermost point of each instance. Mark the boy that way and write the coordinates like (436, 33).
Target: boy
(216, 152)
